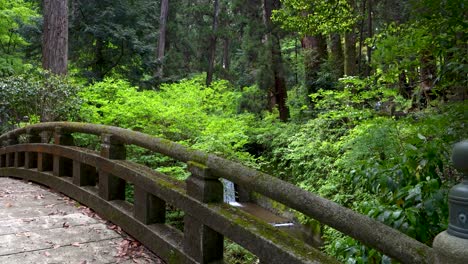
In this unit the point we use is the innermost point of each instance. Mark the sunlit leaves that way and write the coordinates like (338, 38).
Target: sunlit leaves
(318, 16)
(13, 15)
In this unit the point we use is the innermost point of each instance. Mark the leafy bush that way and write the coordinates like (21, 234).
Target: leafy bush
(187, 112)
(15, 15)
(37, 97)
(397, 171)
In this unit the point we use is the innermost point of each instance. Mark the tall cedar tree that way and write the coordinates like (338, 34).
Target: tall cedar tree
(278, 93)
(55, 36)
(162, 36)
(213, 39)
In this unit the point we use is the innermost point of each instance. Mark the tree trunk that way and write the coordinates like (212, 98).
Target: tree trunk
(213, 38)
(99, 62)
(278, 93)
(350, 47)
(350, 54)
(226, 60)
(336, 54)
(55, 36)
(428, 76)
(162, 36)
(371, 34)
(315, 52)
(361, 37)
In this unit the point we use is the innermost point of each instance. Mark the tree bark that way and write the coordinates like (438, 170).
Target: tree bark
(162, 36)
(350, 47)
(371, 34)
(55, 36)
(213, 38)
(226, 60)
(336, 54)
(350, 54)
(278, 93)
(315, 52)
(428, 74)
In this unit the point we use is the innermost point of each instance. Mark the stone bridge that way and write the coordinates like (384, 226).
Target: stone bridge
(45, 153)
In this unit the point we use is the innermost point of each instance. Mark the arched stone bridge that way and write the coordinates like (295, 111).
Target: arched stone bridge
(97, 179)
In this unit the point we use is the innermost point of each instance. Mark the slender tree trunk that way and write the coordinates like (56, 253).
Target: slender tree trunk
(350, 54)
(162, 36)
(226, 60)
(428, 76)
(350, 47)
(99, 61)
(315, 52)
(361, 36)
(278, 93)
(213, 38)
(371, 34)
(55, 36)
(336, 54)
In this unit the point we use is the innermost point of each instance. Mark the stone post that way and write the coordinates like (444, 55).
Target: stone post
(202, 243)
(62, 166)
(148, 208)
(10, 157)
(84, 174)
(30, 158)
(110, 186)
(451, 246)
(45, 160)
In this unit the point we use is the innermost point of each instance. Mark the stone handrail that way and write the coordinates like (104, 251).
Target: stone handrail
(203, 188)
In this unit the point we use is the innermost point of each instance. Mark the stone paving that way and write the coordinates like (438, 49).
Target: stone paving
(38, 225)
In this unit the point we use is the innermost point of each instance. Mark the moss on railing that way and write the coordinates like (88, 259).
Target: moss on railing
(372, 233)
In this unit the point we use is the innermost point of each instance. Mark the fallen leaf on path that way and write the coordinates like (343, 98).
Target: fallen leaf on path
(47, 254)
(8, 205)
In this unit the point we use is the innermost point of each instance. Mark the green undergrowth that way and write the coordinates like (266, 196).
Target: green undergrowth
(187, 112)
(361, 145)
(395, 170)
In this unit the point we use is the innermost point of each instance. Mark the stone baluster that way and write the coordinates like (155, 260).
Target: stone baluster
(202, 243)
(10, 157)
(110, 186)
(148, 208)
(84, 174)
(30, 158)
(62, 166)
(451, 246)
(45, 160)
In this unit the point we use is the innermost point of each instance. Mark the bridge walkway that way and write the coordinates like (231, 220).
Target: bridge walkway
(38, 225)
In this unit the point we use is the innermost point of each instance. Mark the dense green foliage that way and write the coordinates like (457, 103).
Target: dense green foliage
(377, 140)
(37, 97)
(15, 16)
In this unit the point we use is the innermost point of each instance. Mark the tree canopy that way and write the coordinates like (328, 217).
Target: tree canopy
(359, 101)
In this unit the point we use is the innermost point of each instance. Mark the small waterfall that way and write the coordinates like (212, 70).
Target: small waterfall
(229, 193)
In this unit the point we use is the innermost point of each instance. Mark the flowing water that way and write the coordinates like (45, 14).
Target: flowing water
(230, 193)
(267, 216)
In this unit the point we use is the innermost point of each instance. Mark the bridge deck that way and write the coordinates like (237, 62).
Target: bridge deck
(40, 226)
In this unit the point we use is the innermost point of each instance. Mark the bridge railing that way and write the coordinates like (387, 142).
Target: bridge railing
(207, 220)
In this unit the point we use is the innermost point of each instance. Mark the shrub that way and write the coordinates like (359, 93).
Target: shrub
(37, 97)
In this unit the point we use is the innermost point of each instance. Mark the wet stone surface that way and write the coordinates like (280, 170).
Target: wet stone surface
(41, 226)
